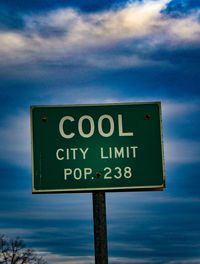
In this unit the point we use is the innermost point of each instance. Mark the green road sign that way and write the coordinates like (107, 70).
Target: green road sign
(83, 148)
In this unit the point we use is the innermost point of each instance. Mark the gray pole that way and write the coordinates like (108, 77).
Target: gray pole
(100, 230)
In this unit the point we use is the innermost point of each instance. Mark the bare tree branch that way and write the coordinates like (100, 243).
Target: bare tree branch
(14, 251)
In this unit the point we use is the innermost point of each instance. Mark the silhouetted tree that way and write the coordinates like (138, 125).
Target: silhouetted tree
(14, 251)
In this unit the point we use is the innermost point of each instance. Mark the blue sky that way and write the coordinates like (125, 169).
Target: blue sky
(72, 52)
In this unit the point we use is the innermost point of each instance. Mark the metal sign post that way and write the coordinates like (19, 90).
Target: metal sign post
(100, 228)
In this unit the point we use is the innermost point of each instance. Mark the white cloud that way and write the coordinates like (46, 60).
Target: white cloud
(60, 259)
(182, 151)
(185, 261)
(178, 109)
(185, 28)
(15, 232)
(124, 260)
(64, 34)
(15, 140)
(115, 62)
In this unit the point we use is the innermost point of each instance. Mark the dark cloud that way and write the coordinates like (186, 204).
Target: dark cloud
(11, 11)
(49, 32)
(183, 180)
(181, 8)
(37, 5)
(9, 181)
(160, 231)
(10, 20)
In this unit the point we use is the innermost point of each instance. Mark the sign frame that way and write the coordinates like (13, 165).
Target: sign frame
(106, 189)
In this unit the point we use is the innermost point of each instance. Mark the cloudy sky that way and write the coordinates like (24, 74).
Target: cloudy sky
(55, 52)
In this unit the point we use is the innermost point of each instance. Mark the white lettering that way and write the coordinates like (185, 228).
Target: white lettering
(110, 153)
(61, 124)
(119, 153)
(71, 153)
(80, 126)
(134, 151)
(67, 154)
(84, 152)
(57, 154)
(127, 152)
(74, 152)
(78, 175)
(92, 126)
(102, 133)
(87, 171)
(102, 156)
(121, 133)
(67, 172)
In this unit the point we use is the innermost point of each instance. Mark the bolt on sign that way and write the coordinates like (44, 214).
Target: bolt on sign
(110, 147)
